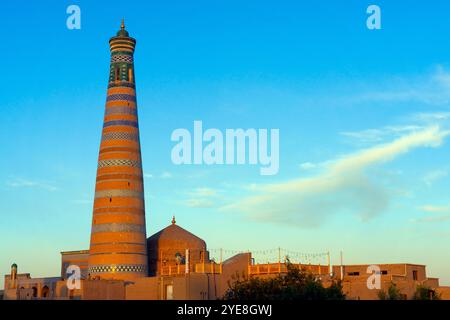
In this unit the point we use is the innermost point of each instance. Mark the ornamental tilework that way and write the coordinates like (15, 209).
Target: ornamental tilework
(117, 268)
(121, 84)
(120, 123)
(117, 135)
(118, 208)
(118, 162)
(117, 227)
(121, 58)
(127, 243)
(119, 193)
(121, 96)
(120, 110)
(116, 212)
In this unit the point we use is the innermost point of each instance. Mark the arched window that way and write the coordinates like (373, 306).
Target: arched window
(45, 292)
(34, 292)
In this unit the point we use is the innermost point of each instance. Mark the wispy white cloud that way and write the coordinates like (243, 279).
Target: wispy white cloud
(435, 219)
(199, 203)
(431, 177)
(372, 136)
(163, 175)
(27, 183)
(436, 209)
(202, 198)
(166, 175)
(431, 117)
(435, 213)
(432, 89)
(307, 166)
(343, 186)
(203, 192)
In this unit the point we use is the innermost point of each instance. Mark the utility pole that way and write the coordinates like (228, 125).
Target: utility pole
(279, 260)
(221, 252)
(329, 263)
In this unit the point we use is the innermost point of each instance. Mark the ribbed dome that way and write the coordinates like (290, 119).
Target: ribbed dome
(166, 247)
(174, 234)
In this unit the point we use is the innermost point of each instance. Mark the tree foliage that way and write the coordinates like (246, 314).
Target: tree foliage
(392, 293)
(422, 293)
(297, 284)
(426, 293)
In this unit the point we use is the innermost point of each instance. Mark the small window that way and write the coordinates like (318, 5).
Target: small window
(117, 73)
(384, 272)
(415, 277)
(353, 273)
(169, 292)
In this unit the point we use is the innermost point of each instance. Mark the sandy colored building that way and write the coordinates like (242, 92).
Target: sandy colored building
(180, 275)
(407, 277)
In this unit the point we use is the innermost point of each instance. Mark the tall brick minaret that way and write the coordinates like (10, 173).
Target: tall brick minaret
(118, 236)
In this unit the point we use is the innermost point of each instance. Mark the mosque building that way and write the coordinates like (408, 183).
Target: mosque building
(122, 263)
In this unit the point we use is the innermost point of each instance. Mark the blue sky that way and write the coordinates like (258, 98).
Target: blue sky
(364, 119)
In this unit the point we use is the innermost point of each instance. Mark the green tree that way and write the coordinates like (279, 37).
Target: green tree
(392, 293)
(426, 293)
(297, 284)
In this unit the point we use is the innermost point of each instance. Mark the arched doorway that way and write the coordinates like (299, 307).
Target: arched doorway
(45, 292)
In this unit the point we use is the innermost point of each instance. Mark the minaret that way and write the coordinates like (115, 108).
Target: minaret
(13, 279)
(118, 237)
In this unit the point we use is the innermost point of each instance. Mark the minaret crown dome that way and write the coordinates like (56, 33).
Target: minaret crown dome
(122, 32)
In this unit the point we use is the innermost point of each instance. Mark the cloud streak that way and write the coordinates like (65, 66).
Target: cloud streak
(431, 177)
(436, 213)
(26, 183)
(433, 89)
(202, 198)
(343, 187)
(436, 209)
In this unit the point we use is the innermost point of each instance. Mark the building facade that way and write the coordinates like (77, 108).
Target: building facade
(406, 277)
